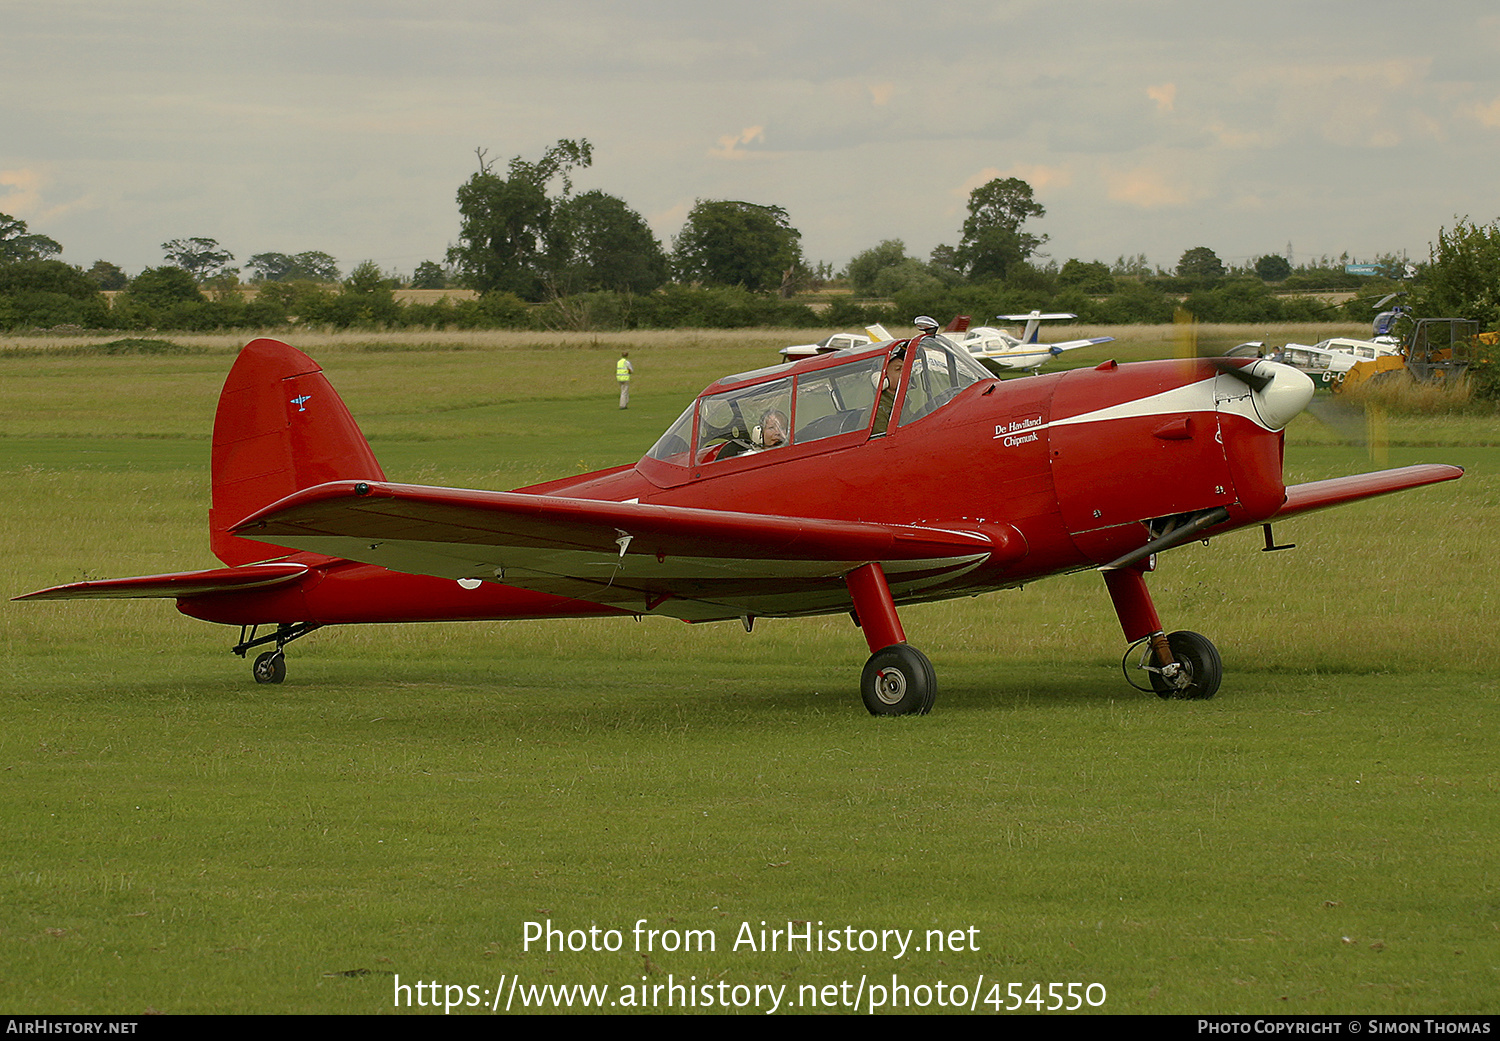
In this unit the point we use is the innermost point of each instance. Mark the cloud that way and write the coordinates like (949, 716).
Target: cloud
(730, 145)
(983, 177)
(1234, 138)
(21, 192)
(881, 93)
(1165, 96)
(21, 196)
(1042, 177)
(1488, 115)
(1150, 189)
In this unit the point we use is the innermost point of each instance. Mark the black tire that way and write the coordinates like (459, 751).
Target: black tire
(270, 667)
(1204, 667)
(898, 681)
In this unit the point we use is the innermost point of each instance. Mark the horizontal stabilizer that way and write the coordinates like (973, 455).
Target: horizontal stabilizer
(1320, 495)
(181, 584)
(1073, 345)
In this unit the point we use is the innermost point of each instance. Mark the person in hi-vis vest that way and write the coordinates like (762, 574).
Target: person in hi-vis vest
(623, 369)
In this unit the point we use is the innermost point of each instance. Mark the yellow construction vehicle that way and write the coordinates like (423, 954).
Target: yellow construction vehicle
(1436, 350)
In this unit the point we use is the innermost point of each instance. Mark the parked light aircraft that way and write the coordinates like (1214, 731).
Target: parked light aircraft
(852, 482)
(1327, 360)
(1003, 352)
(836, 342)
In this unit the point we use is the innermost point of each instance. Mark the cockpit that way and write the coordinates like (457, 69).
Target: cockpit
(827, 401)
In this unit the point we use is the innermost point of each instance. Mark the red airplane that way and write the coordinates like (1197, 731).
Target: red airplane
(851, 482)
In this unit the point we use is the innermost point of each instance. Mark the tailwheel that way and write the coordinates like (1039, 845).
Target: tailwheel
(898, 680)
(270, 667)
(1195, 672)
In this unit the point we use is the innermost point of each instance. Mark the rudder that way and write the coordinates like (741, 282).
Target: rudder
(280, 427)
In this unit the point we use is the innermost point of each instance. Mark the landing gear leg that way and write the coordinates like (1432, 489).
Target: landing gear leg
(270, 667)
(1182, 664)
(898, 679)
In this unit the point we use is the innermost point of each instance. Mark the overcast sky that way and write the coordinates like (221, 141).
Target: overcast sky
(1144, 126)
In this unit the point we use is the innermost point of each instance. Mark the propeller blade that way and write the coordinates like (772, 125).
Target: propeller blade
(1235, 368)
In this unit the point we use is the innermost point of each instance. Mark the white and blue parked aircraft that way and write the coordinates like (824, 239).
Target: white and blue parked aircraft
(1001, 351)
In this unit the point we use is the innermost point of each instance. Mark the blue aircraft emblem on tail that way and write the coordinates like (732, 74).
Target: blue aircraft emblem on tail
(300, 401)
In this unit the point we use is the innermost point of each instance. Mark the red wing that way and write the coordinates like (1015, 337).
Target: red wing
(1320, 495)
(460, 517)
(707, 563)
(183, 583)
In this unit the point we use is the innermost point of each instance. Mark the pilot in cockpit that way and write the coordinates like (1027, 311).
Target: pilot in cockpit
(773, 429)
(771, 433)
(887, 384)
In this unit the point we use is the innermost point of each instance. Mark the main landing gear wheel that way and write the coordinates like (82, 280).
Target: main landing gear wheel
(898, 680)
(270, 667)
(1202, 670)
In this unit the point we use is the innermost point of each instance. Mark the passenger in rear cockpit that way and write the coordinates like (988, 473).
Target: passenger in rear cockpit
(773, 429)
(771, 433)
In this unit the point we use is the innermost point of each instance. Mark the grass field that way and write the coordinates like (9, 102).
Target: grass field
(1321, 837)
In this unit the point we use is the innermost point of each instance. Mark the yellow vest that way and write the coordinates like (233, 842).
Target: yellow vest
(622, 370)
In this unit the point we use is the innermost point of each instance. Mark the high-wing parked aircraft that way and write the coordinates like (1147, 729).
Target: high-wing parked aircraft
(849, 482)
(836, 342)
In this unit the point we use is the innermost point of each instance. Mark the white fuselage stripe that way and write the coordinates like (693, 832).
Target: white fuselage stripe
(1194, 397)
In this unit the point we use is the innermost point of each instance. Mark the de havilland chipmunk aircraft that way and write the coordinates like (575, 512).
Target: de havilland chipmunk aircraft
(852, 482)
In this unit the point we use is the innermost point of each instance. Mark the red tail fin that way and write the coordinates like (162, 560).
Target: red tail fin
(280, 428)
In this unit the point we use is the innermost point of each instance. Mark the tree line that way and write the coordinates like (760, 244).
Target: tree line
(541, 256)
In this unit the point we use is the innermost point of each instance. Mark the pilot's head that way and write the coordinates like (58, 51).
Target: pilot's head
(773, 428)
(893, 366)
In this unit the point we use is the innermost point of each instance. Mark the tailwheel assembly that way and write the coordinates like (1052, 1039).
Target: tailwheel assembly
(270, 667)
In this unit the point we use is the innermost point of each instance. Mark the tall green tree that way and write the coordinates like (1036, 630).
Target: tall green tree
(994, 240)
(429, 275)
(1462, 277)
(732, 243)
(368, 297)
(866, 267)
(199, 257)
(597, 242)
(44, 293)
(1202, 263)
(313, 265)
(107, 275)
(47, 276)
(161, 287)
(505, 220)
(1272, 268)
(1092, 278)
(16, 245)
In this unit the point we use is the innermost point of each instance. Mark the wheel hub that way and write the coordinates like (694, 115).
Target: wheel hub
(1179, 675)
(890, 685)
